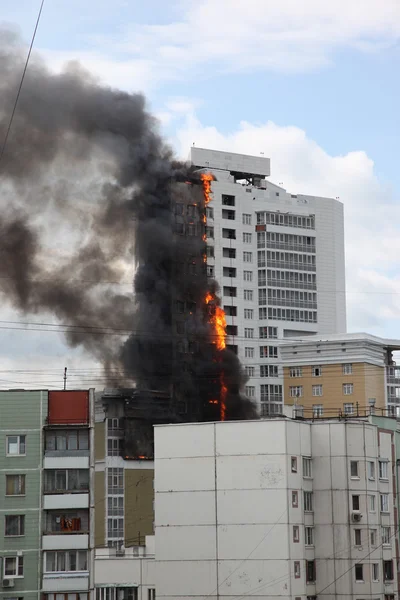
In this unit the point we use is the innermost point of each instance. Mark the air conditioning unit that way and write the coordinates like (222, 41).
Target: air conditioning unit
(8, 583)
(356, 516)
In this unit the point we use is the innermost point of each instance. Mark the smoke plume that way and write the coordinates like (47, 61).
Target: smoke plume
(89, 187)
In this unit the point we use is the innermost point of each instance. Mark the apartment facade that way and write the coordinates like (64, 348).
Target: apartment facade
(345, 374)
(47, 472)
(277, 257)
(124, 493)
(331, 523)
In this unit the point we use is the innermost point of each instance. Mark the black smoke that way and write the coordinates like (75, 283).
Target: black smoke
(89, 186)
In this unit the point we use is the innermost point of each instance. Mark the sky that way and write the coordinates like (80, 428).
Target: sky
(310, 84)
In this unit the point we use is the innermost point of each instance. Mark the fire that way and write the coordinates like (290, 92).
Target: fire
(216, 315)
(206, 179)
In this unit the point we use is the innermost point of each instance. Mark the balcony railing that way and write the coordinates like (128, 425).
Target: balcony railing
(294, 247)
(291, 303)
(290, 265)
(284, 283)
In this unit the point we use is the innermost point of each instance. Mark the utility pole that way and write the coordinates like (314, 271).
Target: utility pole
(65, 378)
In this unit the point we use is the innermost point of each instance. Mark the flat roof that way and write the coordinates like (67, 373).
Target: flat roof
(362, 337)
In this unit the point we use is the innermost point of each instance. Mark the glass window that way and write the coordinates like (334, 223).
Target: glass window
(384, 502)
(347, 369)
(309, 536)
(348, 408)
(355, 502)
(14, 525)
(296, 372)
(318, 410)
(372, 537)
(359, 572)
(317, 371)
(296, 391)
(357, 537)
(310, 570)
(371, 470)
(372, 503)
(307, 467)
(297, 569)
(16, 445)
(295, 499)
(15, 485)
(347, 389)
(383, 469)
(293, 462)
(375, 572)
(388, 570)
(296, 534)
(308, 501)
(317, 390)
(386, 536)
(354, 468)
(13, 566)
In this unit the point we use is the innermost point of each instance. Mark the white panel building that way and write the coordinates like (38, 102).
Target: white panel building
(276, 509)
(279, 260)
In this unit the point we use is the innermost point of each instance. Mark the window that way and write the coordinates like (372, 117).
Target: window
(375, 572)
(191, 210)
(307, 467)
(66, 480)
(355, 502)
(386, 536)
(309, 536)
(359, 571)
(308, 501)
(317, 371)
(226, 272)
(296, 391)
(372, 503)
(230, 311)
(114, 446)
(250, 371)
(388, 570)
(229, 291)
(228, 200)
(372, 537)
(209, 232)
(357, 537)
(354, 468)
(388, 597)
(115, 528)
(115, 481)
(384, 502)
(16, 445)
(209, 212)
(246, 219)
(13, 566)
(297, 569)
(247, 238)
(151, 594)
(268, 333)
(14, 525)
(229, 234)
(269, 371)
(310, 571)
(318, 410)
(229, 252)
(250, 391)
(348, 408)
(15, 485)
(296, 372)
(296, 534)
(68, 440)
(248, 275)
(191, 229)
(347, 389)
(248, 313)
(248, 295)
(383, 469)
(347, 369)
(248, 332)
(249, 352)
(317, 390)
(247, 257)
(371, 470)
(69, 561)
(293, 464)
(295, 499)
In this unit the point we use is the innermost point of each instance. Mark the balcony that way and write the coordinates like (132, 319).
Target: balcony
(72, 582)
(66, 522)
(284, 283)
(65, 500)
(293, 247)
(290, 265)
(291, 303)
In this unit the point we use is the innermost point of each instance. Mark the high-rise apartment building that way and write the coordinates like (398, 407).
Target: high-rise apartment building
(277, 508)
(279, 260)
(46, 487)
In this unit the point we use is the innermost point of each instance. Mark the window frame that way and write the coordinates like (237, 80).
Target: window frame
(20, 525)
(384, 503)
(307, 467)
(309, 503)
(385, 529)
(22, 478)
(19, 444)
(357, 537)
(296, 569)
(317, 388)
(347, 389)
(296, 534)
(19, 567)
(345, 370)
(295, 499)
(383, 472)
(371, 470)
(317, 371)
(308, 535)
(355, 475)
(293, 464)
(358, 566)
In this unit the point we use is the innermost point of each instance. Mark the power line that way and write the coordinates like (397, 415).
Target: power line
(21, 82)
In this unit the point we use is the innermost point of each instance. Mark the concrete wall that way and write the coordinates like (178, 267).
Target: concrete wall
(100, 500)
(100, 440)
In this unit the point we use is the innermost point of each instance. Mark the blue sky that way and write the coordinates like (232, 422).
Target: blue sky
(313, 85)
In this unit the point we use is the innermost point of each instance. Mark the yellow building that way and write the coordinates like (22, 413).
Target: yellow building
(345, 374)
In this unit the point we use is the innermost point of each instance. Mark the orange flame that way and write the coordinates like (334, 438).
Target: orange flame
(206, 179)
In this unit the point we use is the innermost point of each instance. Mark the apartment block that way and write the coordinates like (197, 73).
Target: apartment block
(345, 374)
(47, 474)
(124, 473)
(279, 261)
(282, 508)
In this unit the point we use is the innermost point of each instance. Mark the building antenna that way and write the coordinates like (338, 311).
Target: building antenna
(65, 378)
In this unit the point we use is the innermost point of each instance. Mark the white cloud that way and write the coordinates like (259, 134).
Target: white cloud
(372, 219)
(214, 36)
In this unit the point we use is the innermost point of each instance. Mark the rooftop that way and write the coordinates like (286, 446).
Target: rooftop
(243, 166)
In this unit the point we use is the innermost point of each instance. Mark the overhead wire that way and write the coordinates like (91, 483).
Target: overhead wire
(8, 130)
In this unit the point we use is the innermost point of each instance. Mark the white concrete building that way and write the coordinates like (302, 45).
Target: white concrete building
(126, 574)
(276, 509)
(279, 260)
